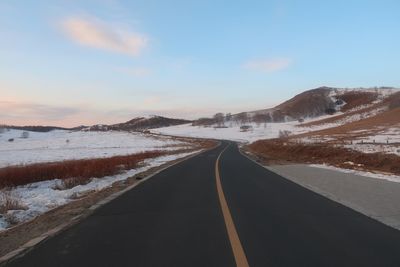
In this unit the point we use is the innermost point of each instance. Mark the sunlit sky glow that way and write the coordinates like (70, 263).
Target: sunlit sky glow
(68, 63)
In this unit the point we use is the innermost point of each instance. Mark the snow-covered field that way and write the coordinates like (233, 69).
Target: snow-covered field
(258, 131)
(37, 198)
(270, 130)
(63, 145)
(386, 141)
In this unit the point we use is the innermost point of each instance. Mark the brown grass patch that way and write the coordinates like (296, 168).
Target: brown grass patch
(9, 202)
(391, 102)
(72, 171)
(350, 131)
(322, 153)
(355, 99)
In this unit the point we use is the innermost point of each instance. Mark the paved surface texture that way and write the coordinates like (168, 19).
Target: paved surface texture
(175, 219)
(379, 199)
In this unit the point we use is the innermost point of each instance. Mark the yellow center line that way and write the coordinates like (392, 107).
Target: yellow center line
(238, 252)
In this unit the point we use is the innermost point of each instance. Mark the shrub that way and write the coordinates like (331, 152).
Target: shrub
(284, 133)
(9, 202)
(330, 111)
(25, 135)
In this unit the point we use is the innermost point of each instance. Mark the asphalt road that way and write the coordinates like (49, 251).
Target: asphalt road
(175, 219)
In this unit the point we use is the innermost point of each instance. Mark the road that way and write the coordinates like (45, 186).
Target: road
(220, 210)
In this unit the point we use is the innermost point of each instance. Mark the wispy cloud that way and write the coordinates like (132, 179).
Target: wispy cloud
(32, 113)
(268, 65)
(93, 32)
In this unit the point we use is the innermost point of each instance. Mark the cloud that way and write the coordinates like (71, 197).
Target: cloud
(268, 65)
(15, 110)
(92, 32)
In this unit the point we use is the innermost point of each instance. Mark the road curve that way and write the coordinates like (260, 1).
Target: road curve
(177, 218)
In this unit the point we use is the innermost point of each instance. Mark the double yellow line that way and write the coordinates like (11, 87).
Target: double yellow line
(238, 252)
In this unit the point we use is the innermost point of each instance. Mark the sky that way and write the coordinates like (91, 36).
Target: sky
(69, 63)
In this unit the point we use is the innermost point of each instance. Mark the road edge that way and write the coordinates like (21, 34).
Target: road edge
(31, 244)
(325, 194)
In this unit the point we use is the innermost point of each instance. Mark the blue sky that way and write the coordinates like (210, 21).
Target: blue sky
(83, 62)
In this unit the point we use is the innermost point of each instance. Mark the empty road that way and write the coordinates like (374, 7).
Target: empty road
(220, 209)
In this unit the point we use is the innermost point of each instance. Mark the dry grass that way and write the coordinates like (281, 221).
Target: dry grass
(76, 172)
(355, 99)
(9, 202)
(73, 171)
(350, 131)
(391, 102)
(322, 153)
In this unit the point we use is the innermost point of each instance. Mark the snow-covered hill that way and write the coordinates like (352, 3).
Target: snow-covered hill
(324, 100)
(361, 116)
(138, 124)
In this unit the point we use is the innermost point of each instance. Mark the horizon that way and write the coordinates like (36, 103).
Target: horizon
(102, 62)
(194, 118)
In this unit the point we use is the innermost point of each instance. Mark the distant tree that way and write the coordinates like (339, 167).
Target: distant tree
(219, 119)
(203, 122)
(284, 134)
(261, 118)
(25, 135)
(228, 116)
(242, 118)
(330, 111)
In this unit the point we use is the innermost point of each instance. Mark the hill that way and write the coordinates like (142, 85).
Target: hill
(322, 101)
(139, 124)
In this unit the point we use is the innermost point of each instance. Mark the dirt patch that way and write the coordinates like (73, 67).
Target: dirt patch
(269, 151)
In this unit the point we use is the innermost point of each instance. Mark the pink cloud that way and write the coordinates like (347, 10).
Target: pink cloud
(92, 32)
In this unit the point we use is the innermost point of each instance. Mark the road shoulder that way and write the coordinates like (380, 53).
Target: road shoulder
(376, 198)
(20, 239)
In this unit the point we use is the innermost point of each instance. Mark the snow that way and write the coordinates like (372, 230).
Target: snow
(386, 141)
(346, 119)
(53, 146)
(271, 130)
(388, 177)
(41, 197)
(232, 132)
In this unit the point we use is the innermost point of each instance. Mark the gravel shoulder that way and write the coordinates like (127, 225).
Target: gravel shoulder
(378, 199)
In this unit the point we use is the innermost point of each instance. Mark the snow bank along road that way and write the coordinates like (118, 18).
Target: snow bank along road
(225, 212)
